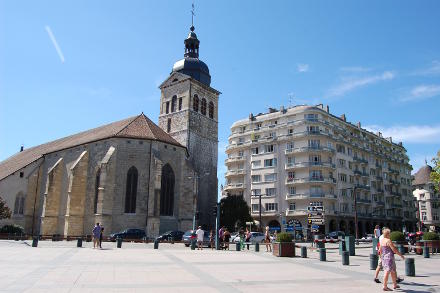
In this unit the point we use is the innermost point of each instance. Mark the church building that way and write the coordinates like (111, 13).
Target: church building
(127, 174)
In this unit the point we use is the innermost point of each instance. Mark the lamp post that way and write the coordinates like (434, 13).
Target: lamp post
(355, 213)
(196, 178)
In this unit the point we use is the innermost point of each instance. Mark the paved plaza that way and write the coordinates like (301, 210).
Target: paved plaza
(137, 267)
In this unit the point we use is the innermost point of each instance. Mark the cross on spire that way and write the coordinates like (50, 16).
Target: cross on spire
(192, 14)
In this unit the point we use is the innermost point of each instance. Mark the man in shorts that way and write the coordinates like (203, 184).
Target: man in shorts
(200, 234)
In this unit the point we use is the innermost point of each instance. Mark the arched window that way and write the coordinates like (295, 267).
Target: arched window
(173, 104)
(97, 182)
(19, 204)
(131, 190)
(167, 191)
(211, 110)
(203, 107)
(196, 103)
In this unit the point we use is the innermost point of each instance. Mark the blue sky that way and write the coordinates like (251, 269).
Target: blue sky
(67, 66)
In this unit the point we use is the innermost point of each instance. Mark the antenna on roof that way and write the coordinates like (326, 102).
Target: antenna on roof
(291, 97)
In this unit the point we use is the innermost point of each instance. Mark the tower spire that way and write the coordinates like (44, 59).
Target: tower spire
(192, 15)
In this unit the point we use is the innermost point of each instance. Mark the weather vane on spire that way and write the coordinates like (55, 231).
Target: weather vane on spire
(192, 14)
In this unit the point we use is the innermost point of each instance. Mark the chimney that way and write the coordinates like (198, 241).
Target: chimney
(359, 125)
(379, 134)
(272, 110)
(251, 116)
(327, 109)
(343, 118)
(282, 109)
(21, 148)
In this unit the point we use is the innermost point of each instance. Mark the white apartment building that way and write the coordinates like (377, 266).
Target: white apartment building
(290, 160)
(428, 200)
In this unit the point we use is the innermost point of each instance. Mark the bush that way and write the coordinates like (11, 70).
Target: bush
(430, 236)
(284, 237)
(397, 236)
(11, 229)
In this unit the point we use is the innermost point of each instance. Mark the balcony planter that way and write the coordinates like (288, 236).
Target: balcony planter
(284, 246)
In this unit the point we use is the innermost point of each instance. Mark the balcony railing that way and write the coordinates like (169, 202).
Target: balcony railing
(310, 195)
(363, 200)
(234, 186)
(361, 186)
(234, 172)
(360, 160)
(311, 179)
(297, 212)
(309, 149)
(309, 164)
(234, 159)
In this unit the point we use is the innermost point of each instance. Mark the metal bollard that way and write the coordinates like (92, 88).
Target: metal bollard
(79, 242)
(375, 241)
(401, 249)
(237, 246)
(349, 245)
(303, 252)
(118, 242)
(373, 261)
(193, 244)
(322, 255)
(345, 258)
(410, 268)
(156, 244)
(341, 246)
(426, 251)
(35, 242)
(257, 247)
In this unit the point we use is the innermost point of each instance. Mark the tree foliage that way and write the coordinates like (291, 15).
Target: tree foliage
(435, 174)
(5, 212)
(234, 210)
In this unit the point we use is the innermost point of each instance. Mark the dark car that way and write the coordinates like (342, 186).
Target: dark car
(335, 235)
(190, 234)
(171, 236)
(129, 234)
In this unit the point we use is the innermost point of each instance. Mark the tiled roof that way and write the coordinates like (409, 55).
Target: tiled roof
(134, 127)
(422, 176)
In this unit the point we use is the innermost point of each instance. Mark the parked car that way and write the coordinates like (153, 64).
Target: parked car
(130, 234)
(171, 236)
(335, 235)
(190, 234)
(255, 237)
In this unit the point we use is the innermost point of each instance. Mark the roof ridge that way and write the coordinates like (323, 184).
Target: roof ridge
(126, 126)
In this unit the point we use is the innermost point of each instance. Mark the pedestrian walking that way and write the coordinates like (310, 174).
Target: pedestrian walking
(200, 234)
(267, 240)
(275, 235)
(377, 233)
(248, 237)
(100, 237)
(387, 251)
(379, 264)
(226, 238)
(96, 235)
(221, 233)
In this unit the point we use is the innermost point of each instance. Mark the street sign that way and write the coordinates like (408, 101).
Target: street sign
(317, 222)
(289, 228)
(315, 227)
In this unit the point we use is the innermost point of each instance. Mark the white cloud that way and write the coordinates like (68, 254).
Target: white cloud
(432, 69)
(303, 67)
(409, 134)
(55, 43)
(349, 84)
(422, 92)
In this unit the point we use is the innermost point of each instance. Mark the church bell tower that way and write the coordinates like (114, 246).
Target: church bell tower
(189, 113)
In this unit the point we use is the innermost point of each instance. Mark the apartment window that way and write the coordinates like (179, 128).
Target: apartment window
(173, 104)
(330, 145)
(290, 160)
(256, 192)
(343, 192)
(435, 217)
(269, 148)
(341, 162)
(271, 191)
(256, 178)
(167, 107)
(256, 164)
(241, 140)
(180, 104)
(316, 174)
(255, 207)
(272, 135)
(291, 175)
(340, 149)
(314, 143)
(271, 206)
(292, 206)
(240, 153)
(313, 129)
(169, 125)
(424, 218)
(290, 131)
(290, 146)
(311, 117)
(349, 151)
(343, 177)
(255, 151)
(316, 190)
(315, 158)
(270, 163)
(292, 190)
(270, 177)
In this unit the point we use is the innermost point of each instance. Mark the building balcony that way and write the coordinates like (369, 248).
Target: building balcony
(326, 180)
(360, 160)
(232, 173)
(379, 203)
(234, 159)
(289, 166)
(297, 212)
(364, 215)
(234, 186)
(265, 213)
(361, 186)
(395, 171)
(395, 182)
(298, 196)
(308, 149)
(379, 178)
(360, 173)
(237, 145)
(363, 200)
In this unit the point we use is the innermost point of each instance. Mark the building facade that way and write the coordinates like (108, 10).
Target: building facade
(288, 162)
(427, 200)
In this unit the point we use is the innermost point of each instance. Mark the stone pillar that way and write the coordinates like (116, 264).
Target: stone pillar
(31, 206)
(51, 205)
(74, 218)
(153, 221)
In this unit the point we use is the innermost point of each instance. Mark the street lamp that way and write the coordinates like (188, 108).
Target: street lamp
(196, 178)
(356, 228)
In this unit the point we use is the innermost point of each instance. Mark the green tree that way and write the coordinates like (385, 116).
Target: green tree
(435, 174)
(234, 211)
(5, 212)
